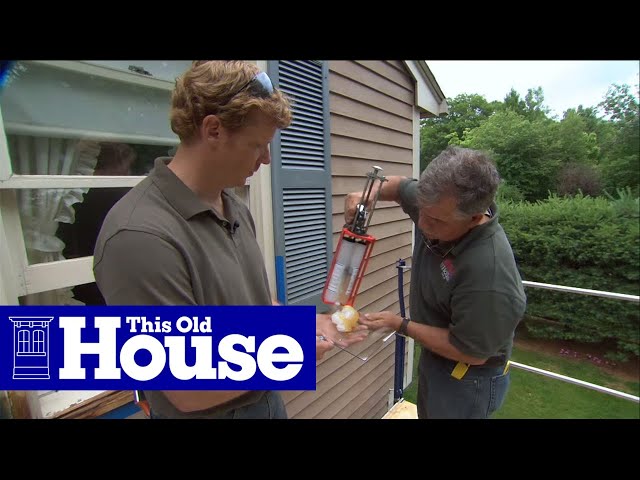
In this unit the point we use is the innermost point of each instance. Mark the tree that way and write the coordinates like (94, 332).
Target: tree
(532, 107)
(512, 102)
(574, 143)
(620, 163)
(466, 112)
(525, 157)
(576, 178)
(532, 149)
(592, 122)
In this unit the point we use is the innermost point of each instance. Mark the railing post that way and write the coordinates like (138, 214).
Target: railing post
(398, 380)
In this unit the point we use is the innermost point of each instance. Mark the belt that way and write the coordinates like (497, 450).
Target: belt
(461, 368)
(496, 361)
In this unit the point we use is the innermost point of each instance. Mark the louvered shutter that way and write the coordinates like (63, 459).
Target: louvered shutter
(301, 184)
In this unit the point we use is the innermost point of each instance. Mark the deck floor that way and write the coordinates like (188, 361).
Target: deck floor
(402, 411)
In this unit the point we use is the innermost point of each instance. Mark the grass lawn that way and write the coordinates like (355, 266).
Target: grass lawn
(536, 396)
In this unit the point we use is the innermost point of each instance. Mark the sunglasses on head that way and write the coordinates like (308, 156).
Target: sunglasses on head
(260, 86)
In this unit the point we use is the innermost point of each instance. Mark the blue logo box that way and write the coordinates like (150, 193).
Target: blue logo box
(157, 348)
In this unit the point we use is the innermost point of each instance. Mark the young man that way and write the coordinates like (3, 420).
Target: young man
(466, 294)
(181, 237)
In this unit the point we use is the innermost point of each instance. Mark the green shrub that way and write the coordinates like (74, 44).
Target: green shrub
(508, 192)
(582, 242)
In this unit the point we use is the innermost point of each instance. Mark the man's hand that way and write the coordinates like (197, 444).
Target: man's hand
(388, 192)
(326, 328)
(378, 320)
(350, 203)
(322, 345)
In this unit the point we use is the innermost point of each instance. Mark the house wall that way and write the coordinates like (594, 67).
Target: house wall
(372, 123)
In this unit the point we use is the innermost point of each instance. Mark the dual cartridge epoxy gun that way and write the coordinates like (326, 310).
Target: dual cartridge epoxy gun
(354, 249)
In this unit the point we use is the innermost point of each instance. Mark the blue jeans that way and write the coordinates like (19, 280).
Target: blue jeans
(269, 406)
(478, 394)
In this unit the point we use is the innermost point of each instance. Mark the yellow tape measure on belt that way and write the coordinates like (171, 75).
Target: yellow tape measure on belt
(506, 367)
(460, 370)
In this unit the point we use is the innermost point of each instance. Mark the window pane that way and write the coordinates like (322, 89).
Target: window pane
(41, 97)
(59, 224)
(79, 236)
(64, 223)
(39, 155)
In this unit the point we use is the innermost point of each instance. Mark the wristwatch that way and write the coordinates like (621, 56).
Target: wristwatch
(403, 327)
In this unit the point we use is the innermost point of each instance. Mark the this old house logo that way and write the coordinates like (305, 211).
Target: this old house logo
(31, 347)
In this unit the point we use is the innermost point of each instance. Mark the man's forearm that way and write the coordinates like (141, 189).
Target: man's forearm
(389, 189)
(437, 340)
(192, 400)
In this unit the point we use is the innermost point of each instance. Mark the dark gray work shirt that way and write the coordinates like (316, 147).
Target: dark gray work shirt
(475, 291)
(160, 245)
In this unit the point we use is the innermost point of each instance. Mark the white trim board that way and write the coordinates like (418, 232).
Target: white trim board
(69, 181)
(43, 277)
(106, 72)
(5, 163)
(47, 131)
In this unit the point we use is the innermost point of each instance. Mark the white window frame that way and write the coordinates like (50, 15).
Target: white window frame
(53, 275)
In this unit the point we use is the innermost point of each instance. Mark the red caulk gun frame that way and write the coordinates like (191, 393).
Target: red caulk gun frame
(354, 249)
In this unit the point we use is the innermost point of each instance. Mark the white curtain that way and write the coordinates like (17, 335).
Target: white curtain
(42, 209)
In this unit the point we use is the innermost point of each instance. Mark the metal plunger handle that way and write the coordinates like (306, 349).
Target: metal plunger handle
(375, 177)
(358, 226)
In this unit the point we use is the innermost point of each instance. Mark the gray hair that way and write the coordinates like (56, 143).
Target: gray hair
(469, 175)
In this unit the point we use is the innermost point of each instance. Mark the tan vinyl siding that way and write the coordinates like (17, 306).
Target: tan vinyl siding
(345, 146)
(352, 166)
(373, 81)
(343, 87)
(384, 230)
(371, 133)
(397, 64)
(345, 383)
(386, 69)
(379, 297)
(383, 260)
(355, 390)
(371, 106)
(354, 109)
(379, 410)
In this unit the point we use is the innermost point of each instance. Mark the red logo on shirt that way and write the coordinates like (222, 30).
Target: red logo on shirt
(447, 269)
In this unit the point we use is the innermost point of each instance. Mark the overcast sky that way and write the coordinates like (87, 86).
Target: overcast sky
(565, 84)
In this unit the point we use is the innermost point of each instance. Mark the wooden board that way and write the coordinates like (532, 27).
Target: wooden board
(402, 411)
(98, 405)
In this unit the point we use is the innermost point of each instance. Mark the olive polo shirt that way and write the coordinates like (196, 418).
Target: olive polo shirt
(160, 245)
(475, 290)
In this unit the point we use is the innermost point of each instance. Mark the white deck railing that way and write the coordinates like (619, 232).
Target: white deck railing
(583, 291)
(575, 381)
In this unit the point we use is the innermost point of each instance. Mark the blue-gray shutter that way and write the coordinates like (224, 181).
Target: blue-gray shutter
(301, 184)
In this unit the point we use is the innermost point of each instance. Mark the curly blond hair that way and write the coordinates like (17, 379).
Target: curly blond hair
(208, 88)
